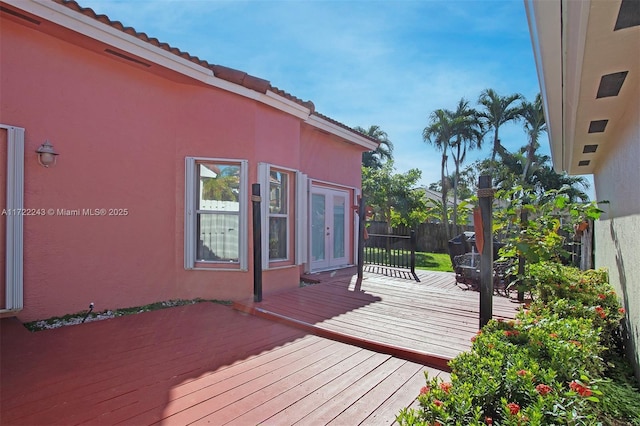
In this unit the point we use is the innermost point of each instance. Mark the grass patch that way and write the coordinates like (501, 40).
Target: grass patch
(433, 262)
(77, 318)
(400, 258)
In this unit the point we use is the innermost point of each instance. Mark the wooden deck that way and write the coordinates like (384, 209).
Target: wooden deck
(202, 363)
(429, 322)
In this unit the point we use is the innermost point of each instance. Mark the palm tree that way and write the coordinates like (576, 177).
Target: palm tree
(439, 133)
(497, 111)
(534, 125)
(468, 133)
(539, 179)
(384, 152)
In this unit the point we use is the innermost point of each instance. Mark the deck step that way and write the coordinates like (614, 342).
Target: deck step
(433, 360)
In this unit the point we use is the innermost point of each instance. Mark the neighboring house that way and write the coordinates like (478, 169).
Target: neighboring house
(150, 198)
(587, 57)
(434, 198)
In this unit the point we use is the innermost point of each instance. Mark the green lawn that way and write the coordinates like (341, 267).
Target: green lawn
(427, 261)
(433, 261)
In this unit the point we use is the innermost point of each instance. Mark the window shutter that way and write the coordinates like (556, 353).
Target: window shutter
(14, 267)
(263, 179)
(302, 214)
(189, 213)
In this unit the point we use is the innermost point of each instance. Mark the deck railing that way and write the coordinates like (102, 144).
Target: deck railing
(393, 251)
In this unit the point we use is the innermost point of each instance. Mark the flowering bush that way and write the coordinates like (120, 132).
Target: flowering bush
(543, 368)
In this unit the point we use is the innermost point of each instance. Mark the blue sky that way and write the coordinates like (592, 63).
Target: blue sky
(389, 63)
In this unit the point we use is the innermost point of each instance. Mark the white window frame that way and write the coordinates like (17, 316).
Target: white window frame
(191, 213)
(298, 196)
(290, 178)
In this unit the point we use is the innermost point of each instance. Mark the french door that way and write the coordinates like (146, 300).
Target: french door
(329, 228)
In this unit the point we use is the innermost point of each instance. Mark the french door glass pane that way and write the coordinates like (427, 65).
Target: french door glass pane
(219, 239)
(317, 227)
(338, 227)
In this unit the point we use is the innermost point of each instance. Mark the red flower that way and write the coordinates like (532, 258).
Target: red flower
(488, 420)
(509, 333)
(602, 296)
(425, 390)
(621, 310)
(580, 389)
(446, 387)
(437, 403)
(522, 373)
(513, 408)
(601, 311)
(543, 389)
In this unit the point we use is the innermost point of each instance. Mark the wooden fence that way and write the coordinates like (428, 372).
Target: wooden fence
(430, 237)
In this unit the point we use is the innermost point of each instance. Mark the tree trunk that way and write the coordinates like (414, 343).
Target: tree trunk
(496, 146)
(445, 219)
(455, 191)
(586, 249)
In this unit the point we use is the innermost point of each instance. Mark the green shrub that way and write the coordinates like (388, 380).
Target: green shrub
(544, 368)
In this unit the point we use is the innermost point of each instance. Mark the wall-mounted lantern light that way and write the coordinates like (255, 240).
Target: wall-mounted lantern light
(46, 154)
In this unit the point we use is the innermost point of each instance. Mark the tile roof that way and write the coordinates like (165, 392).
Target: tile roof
(225, 73)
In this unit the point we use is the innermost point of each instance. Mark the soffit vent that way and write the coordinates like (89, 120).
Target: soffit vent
(128, 58)
(584, 163)
(611, 84)
(629, 14)
(598, 126)
(587, 149)
(19, 15)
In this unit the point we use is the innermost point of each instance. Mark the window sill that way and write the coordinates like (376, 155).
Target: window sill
(279, 267)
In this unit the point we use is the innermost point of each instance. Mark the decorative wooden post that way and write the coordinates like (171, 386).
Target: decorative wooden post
(521, 261)
(257, 243)
(485, 199)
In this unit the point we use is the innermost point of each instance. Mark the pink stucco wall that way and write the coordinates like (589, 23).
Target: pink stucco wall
(123, 133)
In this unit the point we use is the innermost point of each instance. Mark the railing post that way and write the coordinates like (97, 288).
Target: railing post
(257, 243)
(361, 220)
(413, 243)
(485, 199)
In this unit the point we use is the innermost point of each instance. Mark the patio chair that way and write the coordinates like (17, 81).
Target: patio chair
(467, 270)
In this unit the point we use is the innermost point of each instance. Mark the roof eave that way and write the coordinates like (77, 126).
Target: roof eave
(65, 17)
(558, 35)
(326, 125)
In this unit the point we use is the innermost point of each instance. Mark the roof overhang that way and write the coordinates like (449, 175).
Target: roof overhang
(575, 45)
(143, 51)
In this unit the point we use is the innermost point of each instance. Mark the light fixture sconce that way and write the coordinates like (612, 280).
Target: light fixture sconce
(46, 154)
